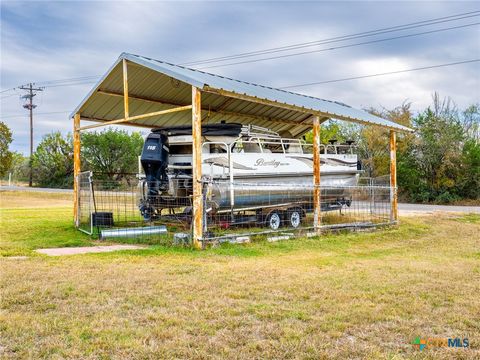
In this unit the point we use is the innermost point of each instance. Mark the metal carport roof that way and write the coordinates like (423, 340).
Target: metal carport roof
(155, 85)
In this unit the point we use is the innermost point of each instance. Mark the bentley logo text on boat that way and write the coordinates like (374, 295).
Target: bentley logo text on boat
(274, 163)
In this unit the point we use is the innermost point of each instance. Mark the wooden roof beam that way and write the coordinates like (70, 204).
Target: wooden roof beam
(127, 123)
(137, 117)
(205, 108)
(258, 100)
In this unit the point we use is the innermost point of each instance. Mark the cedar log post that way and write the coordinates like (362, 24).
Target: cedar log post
(316, 175)
(393, 178)
(197, 203)
(76, 166)
(125, 89)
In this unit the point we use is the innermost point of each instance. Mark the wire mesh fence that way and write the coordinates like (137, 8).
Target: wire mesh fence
(129, 210)
(288, 208)
(84, 202)
(141, 211)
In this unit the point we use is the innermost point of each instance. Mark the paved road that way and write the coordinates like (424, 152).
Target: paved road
(35, 189)
(423, 208)
(404, 209)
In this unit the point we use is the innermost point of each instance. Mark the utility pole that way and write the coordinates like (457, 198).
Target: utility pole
(30, 106)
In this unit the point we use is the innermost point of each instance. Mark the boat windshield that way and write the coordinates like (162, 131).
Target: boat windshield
(268, 145)
(246, 146)
(272, 146)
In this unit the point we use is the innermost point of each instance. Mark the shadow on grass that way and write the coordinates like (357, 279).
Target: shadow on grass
(340, 243)
(24, 230)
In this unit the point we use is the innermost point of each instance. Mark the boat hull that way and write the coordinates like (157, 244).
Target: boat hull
(256, 192)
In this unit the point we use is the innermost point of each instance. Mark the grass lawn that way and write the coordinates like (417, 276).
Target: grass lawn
(357, 295)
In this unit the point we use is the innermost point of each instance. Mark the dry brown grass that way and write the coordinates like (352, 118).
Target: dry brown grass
(27, 199)
(467, 202)
(340, 296)
(4, 182)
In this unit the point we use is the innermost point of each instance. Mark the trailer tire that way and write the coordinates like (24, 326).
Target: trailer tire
(274, 220)
(294, 217)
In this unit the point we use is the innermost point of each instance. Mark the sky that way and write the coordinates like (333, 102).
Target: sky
(50, 40)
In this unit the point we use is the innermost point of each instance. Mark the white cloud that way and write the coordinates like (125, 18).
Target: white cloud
(74, 39)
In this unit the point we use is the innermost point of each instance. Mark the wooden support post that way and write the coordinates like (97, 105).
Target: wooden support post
(76, 166)
(125, 88)
(197, 203)
(393, 178)
(316, 175)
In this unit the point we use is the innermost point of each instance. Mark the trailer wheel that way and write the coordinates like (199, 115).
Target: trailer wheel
(148, 212)
(274, 220)
(294, 218)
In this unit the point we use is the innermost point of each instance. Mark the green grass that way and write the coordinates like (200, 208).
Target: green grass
(346, 295)
(470, 218)
(26, 229)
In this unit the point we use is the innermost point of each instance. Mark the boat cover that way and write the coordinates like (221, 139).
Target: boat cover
(222, 129)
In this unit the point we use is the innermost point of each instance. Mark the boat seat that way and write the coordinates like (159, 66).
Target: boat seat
(251, 147)
(294, 149)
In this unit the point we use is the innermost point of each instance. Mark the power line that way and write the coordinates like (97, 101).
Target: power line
(7, 96)
(70, 84)
(86, 79)
(80, 80)
(338, 38)
(313, 83)
(341, 47)
(380, 74)
(1, 92)
(61, 82)
(334, 39)
(10, 116)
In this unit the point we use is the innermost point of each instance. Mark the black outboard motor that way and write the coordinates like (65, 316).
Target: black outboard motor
(154, 161)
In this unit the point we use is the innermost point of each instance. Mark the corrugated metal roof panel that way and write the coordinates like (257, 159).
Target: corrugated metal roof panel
(170, 83)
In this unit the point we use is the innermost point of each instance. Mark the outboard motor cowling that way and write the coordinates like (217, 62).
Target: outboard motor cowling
(154, 161)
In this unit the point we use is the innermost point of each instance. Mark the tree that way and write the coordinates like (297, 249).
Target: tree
(6, 155)
(20, 167)
(471, 122)
(469, 179)
(330, 130)
(439, 162)
(53, 161)
(432, 160)
(111, 154)
(372, 141)
(439, 148)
